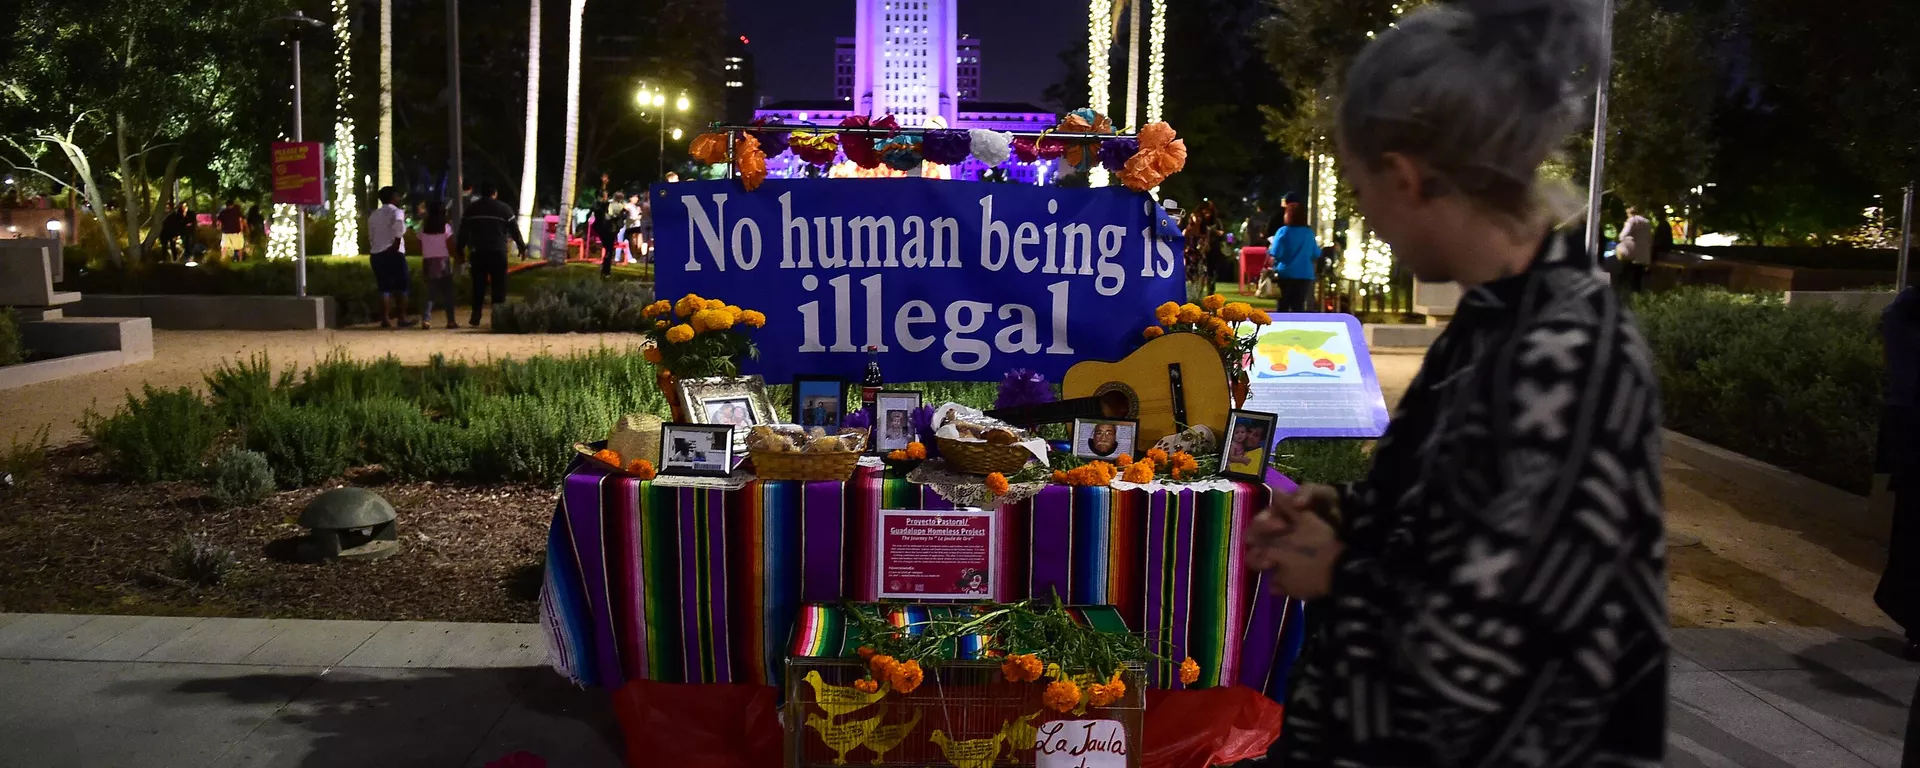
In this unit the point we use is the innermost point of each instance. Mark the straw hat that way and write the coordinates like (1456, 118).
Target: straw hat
(635, 436)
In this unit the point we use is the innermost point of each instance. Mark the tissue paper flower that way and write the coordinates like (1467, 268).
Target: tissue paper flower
(946, 147)
(991, 148)
(1022, 387)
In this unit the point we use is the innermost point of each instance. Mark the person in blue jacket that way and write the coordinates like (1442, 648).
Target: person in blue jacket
(1293, 251)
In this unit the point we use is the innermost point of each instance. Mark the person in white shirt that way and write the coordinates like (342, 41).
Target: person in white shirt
(386, 233)
(1635, 251)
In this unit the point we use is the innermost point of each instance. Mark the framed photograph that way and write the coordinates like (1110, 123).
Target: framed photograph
(698, 450)
(738, 402)
(1104, 439)
(1248, 443)
(819, 401)
(893, 419)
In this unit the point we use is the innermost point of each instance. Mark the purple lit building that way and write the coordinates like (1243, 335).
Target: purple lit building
(908, 59)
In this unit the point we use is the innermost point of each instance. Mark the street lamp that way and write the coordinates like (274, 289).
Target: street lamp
(653, 106)
(296, 24)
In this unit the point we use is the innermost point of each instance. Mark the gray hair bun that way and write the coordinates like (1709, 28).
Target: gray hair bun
(1480, 91)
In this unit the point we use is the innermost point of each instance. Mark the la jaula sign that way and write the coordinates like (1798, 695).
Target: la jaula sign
(1081, 744)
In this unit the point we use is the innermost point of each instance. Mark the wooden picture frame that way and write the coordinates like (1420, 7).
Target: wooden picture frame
(1126, 438)
(696, 450)
(808, 391)
(1236, 442)
(885, 403)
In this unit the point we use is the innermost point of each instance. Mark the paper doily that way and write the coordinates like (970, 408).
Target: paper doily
(963, 490)
(734, 482)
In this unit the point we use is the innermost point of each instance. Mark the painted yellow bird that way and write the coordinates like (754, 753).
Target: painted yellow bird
(1020, 735)
(885, 738)
(843, 737)
(977, 753)
(837, 700)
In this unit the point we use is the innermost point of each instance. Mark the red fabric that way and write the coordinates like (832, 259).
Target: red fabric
(699, 726)
(1253, 259)
(735, 726)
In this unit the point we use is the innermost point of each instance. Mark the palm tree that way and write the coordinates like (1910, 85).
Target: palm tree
(572, 145)
(346, 203)
(530, 160)
(384, 174)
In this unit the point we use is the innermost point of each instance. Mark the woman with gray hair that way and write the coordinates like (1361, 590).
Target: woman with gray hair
(1494, 592)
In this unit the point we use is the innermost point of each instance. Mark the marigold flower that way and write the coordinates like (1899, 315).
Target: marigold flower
(906, 677)
(1213, 302)
(1139, 472)
(688, 305)
(1157, 455)
(897, 455)
(652, 311)
(1183, 465)
(753, 319)
(1260, 317)
(652, 355)
(1021, 668)
(916, 451)
(1167, 313)
(718, 320)
(680, 334)
(1191, 313)
(661, 323)
(1189, 671)
(1237, 311)
(1109, 692)
(1152, 332)
(882, 665)
(866, 685)
(609, 456)
(1059, 477)
(734, 311)
(865, 651)
(1061, 695)
(1123, 460)
(640, 468)
(715, 304)
(997, 484)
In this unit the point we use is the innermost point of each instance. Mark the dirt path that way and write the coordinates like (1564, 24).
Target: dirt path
(182, 358)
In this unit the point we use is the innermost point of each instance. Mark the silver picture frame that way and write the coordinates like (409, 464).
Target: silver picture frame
(704, 398)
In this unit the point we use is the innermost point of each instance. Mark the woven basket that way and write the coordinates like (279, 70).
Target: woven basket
(984, 458)
(818, 465)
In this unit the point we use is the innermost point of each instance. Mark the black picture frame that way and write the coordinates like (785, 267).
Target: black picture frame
(1268, 423)
(703, 441)
(877, 441)
(801, 398)
(1128, 437)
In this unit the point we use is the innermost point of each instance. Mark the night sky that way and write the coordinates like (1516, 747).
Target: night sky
(1020, 40)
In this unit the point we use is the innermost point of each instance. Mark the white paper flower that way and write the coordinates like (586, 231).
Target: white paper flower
(991, 147)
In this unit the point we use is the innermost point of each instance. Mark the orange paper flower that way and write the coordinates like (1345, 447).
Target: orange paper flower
(753, 161)
(1161, 155)
(866, 685)
(709, 148)
(1152, 332)
(1061, 695)
(1189, 671)
(640, 468)
(1081, 152)
(1021, 668)
(1213, 302)
(997, 484)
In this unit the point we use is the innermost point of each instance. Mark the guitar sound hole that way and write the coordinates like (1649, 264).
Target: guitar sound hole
(1117, 400)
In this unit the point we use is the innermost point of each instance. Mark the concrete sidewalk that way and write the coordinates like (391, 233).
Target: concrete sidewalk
(109, 691)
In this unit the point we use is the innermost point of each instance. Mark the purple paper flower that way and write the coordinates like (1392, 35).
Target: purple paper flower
(1021, 387)
(860, 419)
(771, 142)
(922, 419)
(1114, 153)
(947, 147)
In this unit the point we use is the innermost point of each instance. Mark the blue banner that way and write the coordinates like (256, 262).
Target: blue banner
(950, 280)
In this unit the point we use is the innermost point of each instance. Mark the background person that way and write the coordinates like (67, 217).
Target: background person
(233, 231)
(386, 237)
(1293, 250)
(1634, 253)
(484, 232)
(256, 228)
(436, 261)
(172, 230)
(1526, 622)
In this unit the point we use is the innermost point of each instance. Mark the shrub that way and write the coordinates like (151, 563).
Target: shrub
(22, 459)
(159, 435)
(1328, 461)
(241, 389)
(576, 306)
(196, 560)
(1799, 387)
(12, 349)
(306, 444)
(241, 477)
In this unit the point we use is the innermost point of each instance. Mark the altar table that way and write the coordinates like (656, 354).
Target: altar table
(646, 582)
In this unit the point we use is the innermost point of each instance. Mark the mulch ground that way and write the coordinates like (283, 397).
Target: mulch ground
(73, 539)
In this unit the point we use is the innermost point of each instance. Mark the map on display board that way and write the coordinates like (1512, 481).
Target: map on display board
(1313, 370)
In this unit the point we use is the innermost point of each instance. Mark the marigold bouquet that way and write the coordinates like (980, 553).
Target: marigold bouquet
(1221, 322)
(697, 337)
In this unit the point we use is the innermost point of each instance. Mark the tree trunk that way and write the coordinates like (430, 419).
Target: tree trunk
(169, 190)
(568, 167)
(129, 181)
(529, 161)
(384, 163)
(83, 168)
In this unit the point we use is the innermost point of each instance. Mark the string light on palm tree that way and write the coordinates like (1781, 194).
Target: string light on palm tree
(346, 204)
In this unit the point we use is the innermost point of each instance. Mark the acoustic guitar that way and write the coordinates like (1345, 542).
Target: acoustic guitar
(1167, 384)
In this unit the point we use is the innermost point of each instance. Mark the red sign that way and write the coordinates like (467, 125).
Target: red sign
(944, 555)
(296, 173)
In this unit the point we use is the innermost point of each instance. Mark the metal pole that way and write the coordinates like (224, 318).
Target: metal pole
(661, 172)
(299, 134)
(1596, 181)
(1906, 240)
(455, 155)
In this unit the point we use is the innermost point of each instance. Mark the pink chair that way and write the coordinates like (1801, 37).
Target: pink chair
(1253, 259)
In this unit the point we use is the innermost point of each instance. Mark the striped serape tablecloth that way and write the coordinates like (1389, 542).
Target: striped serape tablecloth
(670, 584)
